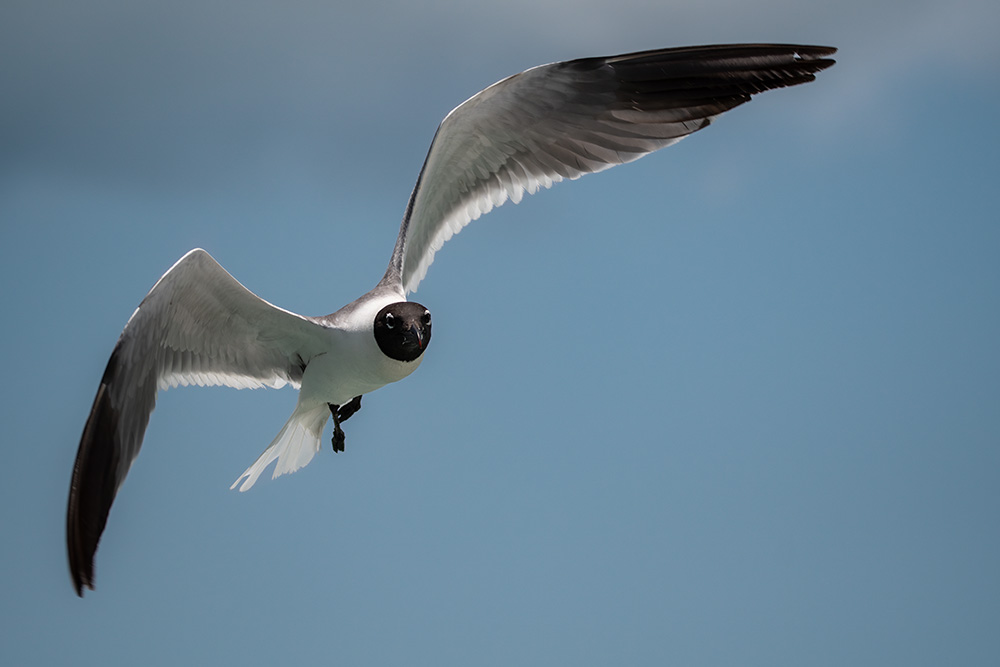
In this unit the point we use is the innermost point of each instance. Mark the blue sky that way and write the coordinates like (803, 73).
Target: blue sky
(775, 439)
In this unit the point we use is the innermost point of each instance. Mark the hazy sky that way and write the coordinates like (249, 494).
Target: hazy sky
(737, 403)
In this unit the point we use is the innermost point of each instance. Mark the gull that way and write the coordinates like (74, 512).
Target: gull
(198, 325)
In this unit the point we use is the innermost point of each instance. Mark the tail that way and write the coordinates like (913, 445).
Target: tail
(296, 444)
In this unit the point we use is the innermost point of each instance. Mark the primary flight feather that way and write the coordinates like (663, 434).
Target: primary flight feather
(198, 325)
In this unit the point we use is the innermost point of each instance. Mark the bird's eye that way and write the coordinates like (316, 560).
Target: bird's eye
(390, 321)
(426, 319)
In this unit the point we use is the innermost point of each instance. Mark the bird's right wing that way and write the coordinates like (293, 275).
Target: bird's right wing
(198, 325)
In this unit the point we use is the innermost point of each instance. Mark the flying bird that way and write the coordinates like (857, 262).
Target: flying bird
(198, 325)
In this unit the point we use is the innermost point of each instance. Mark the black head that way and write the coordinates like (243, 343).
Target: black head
(402, 330)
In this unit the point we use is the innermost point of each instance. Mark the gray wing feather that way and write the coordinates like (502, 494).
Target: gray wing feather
(577, 117)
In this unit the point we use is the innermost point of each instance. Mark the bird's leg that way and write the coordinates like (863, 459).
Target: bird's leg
(338, 433)
(345, 411)
(341, 413)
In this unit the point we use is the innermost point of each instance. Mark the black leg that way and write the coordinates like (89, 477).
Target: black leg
(338, 433)
(345, 411)
(341, 413)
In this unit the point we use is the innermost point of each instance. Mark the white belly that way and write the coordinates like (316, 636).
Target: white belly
(338, 376)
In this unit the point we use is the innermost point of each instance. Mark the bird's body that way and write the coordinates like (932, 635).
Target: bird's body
(348, 363)
(198, 325)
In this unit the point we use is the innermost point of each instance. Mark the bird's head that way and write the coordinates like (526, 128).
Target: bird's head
(403, 330)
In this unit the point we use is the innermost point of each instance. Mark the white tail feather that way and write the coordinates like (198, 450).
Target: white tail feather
(294, 447)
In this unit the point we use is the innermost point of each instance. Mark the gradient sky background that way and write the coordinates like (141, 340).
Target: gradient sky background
(737, 403)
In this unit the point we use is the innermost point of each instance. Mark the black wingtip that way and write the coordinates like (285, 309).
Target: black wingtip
(709, 80)
(814, 52)
(93, 485)
(814, 58)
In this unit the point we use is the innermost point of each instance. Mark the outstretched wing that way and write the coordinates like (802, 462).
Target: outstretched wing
(577, 117)
(198, 325)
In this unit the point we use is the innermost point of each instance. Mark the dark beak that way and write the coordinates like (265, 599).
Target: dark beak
(416, 333)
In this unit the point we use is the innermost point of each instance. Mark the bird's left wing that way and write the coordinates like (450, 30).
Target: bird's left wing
(577, 117)
(198, 325)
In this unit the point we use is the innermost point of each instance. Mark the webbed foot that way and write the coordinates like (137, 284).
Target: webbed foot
(338, 438)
